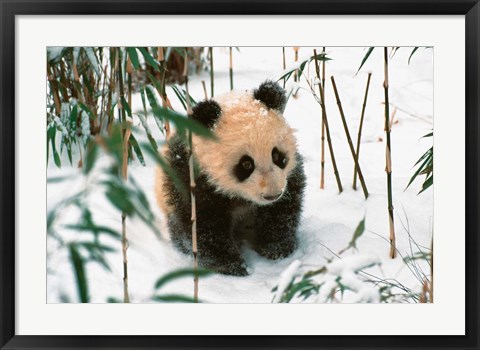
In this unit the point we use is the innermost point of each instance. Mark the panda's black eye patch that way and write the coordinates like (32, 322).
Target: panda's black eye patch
(279, 158)
(244, 168)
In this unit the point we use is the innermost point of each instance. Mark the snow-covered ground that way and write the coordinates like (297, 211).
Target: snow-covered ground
(329, 218)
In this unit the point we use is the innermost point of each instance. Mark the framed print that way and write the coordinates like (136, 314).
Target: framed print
(231, 174)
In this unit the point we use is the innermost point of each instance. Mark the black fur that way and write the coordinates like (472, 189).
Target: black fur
(275, 224)
(272, 95)
(207, 112)
(240, 172)
(279, 158)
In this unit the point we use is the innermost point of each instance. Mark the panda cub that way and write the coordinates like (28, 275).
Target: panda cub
(249, 182)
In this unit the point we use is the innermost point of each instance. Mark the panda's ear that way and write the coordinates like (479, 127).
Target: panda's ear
(207, 112)
(272, 95)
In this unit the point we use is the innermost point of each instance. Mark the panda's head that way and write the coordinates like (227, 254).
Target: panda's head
(255, 151)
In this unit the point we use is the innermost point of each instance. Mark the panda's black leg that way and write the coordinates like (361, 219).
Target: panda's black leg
(180, 238)
(275, 231)
(216, 247)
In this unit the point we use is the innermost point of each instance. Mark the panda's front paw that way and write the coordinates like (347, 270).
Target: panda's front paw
(236, 268)
(277, 250)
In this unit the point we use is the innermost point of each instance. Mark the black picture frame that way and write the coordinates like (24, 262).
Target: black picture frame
(9, 9)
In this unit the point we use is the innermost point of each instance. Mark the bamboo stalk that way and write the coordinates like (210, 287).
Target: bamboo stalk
(124, 173)
(102, 105)
(322, 138)
(210, 49)
(126, 298)
(110, 90)
(163, 91)
(120, 105)
(231, 69)
(349, 139)
(76, 78)
(205, 89)
(327, 129)
(192, 193)
(359, 137)
(284, 64)
(388, 153)
(129, 69)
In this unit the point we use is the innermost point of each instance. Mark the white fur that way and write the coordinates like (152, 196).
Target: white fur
(247, 127)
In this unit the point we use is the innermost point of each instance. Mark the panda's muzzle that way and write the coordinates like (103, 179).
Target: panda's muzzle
(272, 197)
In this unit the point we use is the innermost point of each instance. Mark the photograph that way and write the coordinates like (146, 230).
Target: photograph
(230, 175)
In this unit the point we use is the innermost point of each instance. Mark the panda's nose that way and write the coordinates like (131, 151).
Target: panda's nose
(271, 197)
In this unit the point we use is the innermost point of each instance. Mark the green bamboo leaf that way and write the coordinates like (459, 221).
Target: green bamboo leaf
(48, 144)
(90, 156)
(126, 106)
(148, 58)
(144, 104)
(181, 273)
(137, 149)
(427, 155)
(89, 228)
(140, 195)
(87, 110)
(301, 66)
(358, 232)
(170, 172)
(117, 198)
(430, 134)
(425, 167)
(113, 300)
(73, 120)
(69, 151)
(417, 172)
(180, 51)
(52, 131)
(173, 298)
(114, 144)
(132, 53)
(143, 120)
(183, 123)
(428, 182)
(86, 82)
(57, 179)
(79, 270)
(182, 96)
(98, 258)
(152, 100)
(365, 58)
(94, 246)
(151, 139)
(413, 51)
(158, 85)
(394, 51)
(287, 75)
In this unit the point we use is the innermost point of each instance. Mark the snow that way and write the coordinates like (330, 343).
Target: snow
(85, 125)
(329, 219)
(352, 264)
(286, 278)
(54, 52)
